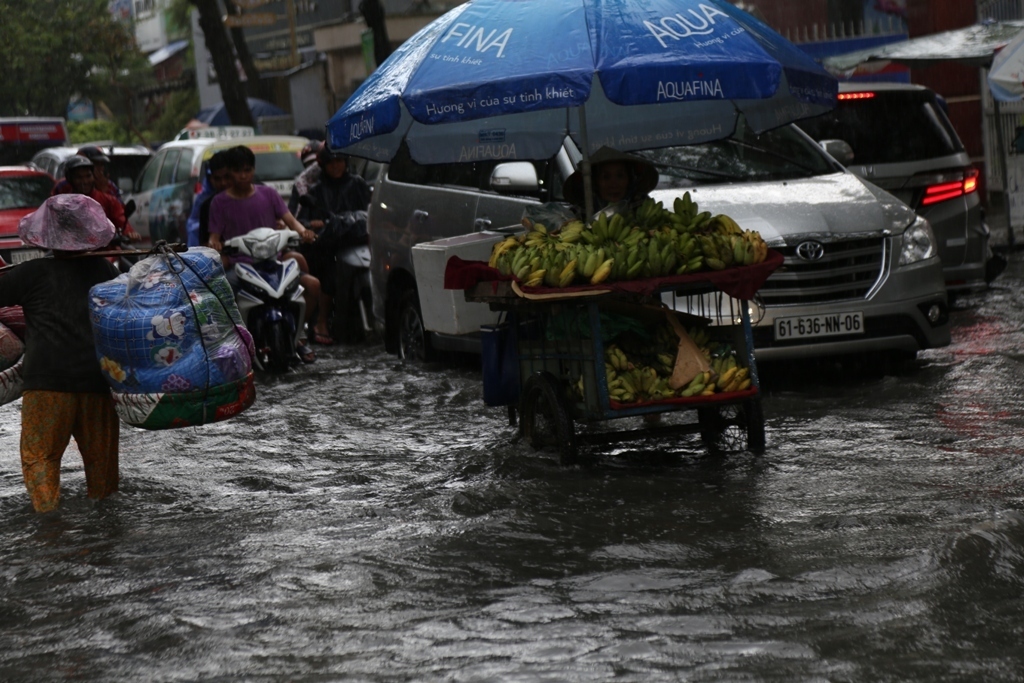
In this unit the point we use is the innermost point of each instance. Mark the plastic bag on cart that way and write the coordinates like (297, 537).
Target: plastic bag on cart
(500, 362)
(551, 215)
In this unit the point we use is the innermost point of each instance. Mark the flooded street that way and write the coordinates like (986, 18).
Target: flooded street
(369, 520)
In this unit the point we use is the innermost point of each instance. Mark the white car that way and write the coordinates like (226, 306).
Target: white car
(173, 177)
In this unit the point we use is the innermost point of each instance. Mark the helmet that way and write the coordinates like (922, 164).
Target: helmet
(309, 152)
(94, 153)
(76, 161)
(326, 155)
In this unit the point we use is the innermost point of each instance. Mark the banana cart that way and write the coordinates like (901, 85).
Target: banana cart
(549, 358)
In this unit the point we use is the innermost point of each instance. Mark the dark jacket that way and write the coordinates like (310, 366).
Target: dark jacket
(331, 200)
(60, 354)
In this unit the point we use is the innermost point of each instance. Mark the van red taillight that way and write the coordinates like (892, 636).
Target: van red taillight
(970, 180)
(856, 95)
(940, 192)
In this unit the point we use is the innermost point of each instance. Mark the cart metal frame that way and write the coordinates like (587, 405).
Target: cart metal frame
(547, 367)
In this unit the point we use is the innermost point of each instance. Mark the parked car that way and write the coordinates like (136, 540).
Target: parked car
(172, 177)
(22, 190)
(851, 249)
(126, 161)
(898, 137)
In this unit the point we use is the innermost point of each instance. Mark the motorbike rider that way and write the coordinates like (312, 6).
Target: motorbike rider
(100, 167)
(245, 206)
(218, 177)
(329, 212)
(309, 177)
(78, 171)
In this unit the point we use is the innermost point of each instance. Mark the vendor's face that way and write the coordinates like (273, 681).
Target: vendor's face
(82, 180)
(612, 181)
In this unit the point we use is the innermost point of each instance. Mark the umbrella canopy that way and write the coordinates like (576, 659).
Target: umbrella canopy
(509, 79)
(1006, 75)
(217, 115)
(971, 46)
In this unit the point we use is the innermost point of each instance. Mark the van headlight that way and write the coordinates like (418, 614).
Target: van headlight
(918, 242)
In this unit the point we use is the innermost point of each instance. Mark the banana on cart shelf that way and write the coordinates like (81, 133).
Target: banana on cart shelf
(643, 372)
(652, 242)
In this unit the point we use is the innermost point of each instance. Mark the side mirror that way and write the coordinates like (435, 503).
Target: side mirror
(515, 176)
(129, 208)
(839, 150)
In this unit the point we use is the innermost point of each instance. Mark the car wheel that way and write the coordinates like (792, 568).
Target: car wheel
(545, 420)
(413, 339)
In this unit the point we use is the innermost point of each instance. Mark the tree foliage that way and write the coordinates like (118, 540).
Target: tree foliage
(53, 50)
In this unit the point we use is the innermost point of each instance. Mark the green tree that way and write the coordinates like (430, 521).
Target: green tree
(180, 107)
(53, 50)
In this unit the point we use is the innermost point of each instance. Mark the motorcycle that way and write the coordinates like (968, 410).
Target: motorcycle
(269, 296)
(345, 234)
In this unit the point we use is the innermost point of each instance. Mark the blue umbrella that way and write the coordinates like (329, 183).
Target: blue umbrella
(509, 79)
(217, 115)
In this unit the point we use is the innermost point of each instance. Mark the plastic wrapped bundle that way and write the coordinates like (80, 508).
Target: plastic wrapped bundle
(12, 350)
(11, 383)
(171, 343)
(14, 318)
(11, 347)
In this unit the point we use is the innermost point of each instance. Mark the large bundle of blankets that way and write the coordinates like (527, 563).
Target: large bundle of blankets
(171, 343)
(12, 349)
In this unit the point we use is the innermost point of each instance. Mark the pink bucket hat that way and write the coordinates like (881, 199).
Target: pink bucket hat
(67, 222)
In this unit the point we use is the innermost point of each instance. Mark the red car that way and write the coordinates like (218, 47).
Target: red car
(22, 190)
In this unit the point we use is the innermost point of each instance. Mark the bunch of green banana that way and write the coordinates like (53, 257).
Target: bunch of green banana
(697, 385)
(653, 242)
(720, 364)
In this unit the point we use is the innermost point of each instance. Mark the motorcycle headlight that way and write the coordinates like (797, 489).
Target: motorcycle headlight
(918, 242)
(262, 250)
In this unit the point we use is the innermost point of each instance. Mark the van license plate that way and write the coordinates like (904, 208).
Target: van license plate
(26, 255)
(827, 325)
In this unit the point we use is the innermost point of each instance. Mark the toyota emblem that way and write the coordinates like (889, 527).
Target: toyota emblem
(810, 251)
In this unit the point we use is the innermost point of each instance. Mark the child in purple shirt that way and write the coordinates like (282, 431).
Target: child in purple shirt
(243, 207)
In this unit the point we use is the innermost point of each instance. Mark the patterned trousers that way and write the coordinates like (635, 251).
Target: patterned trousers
(48, 421)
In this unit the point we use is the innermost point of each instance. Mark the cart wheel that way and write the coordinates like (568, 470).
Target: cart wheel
(544, 419)
(733, 428)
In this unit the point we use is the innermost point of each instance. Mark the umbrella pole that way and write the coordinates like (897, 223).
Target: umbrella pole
(588, 187)
(1010, 240)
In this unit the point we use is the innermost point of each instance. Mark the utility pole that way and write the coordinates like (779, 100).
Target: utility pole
(373, 14)
(219, 46)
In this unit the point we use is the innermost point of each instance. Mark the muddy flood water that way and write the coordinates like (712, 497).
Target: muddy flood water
(369, 520)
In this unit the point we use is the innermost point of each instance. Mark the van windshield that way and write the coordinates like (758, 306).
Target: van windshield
(888, 127)
(278, 165)
(780, 154)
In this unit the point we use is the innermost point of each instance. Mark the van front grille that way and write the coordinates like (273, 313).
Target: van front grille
(846, 270)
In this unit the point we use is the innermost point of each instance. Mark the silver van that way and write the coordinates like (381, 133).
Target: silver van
(852, 251)
(900, 139)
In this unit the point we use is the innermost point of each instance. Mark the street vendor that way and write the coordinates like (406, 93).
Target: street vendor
(64, 393)
(616, 178)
